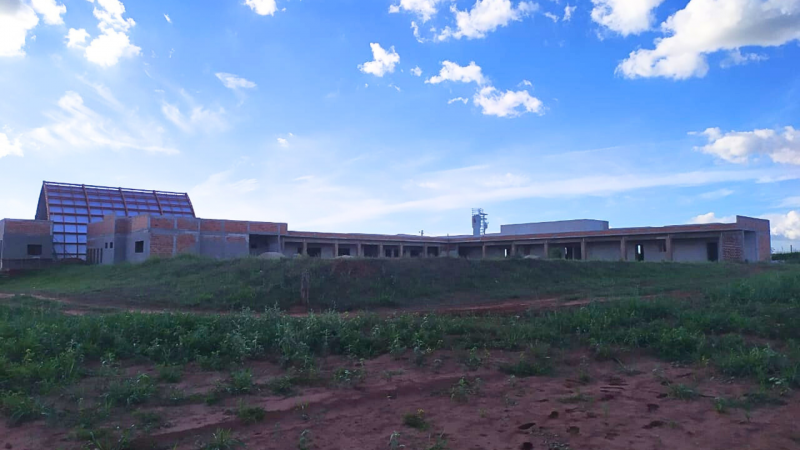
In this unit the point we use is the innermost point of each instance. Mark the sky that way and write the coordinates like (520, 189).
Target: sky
(399, 116)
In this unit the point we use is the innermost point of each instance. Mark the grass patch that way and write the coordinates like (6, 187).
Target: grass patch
(250, 414)
(416, 420)
(132, 391)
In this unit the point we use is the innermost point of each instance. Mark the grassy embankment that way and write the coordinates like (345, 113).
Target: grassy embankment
(744, 329)
(365, 283)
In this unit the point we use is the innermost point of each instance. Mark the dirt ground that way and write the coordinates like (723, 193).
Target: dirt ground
(585, 404)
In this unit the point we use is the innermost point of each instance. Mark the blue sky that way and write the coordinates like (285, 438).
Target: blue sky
(337, 115)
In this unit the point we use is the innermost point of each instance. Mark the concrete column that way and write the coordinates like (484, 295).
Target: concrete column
(359, 251)
(513, 249)
(546, 249)
(584, 257)
(483, 251)
(305, 248)
(335, 249)
(402, 255)
(719, 248)
(381, 254)
(669, 248)
(424, 251)
(623, 249)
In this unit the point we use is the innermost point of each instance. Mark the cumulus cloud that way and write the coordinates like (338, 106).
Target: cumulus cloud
(568, 12)
(737, 58)
(232, 81)
(458, 99)
(453, 72)
(416, 71)
(624, 16)
(508, 103)
(262, 7)
(16, 19)
(485, 17)
(425, 9)
(551, 16)
(283, 142)
(77, 127)
(383, 61)
(199, 118)
(113, 42)
(50, 11)
(704, 27)
(782, 146)
(76, 38)
(707, 218)
(9, 147)
(786, 225)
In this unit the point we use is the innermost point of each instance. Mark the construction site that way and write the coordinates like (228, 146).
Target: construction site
(105, 225)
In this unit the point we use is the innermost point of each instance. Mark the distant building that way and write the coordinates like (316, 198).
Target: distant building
(104, 225)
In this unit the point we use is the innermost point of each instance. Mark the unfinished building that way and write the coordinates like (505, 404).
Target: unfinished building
(104, 225)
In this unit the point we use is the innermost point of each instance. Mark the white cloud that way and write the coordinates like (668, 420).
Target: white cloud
(77, 127)
(737, 58)
(283, 142)
(568, 12)
(113, 42)
(458, 99)
(232, 81)
(200, 118)
(707, 218)
(508, 103)
(383, 62)
(718, 194)
(9, 147)
(262, 7)
(485, 17)
(16, 19)
(416, 71)
(76, 38)
(166, 16)
(551, 16)
(526, 83)
(786, 225)
(790, 202)
(625, 16)
(425, 9)
(782, 146)
(453, 72)
(707, 26)
(50, 11)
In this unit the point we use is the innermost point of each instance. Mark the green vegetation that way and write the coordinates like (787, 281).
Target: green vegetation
(250, 414)
(789, 257)
(416, 420)
(745, 329)
(352, 284)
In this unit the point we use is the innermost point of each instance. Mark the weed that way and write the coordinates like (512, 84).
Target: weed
(148, 420)
(349, 377)
(20, 408)
(394, 440)
(475, 359)
(682, 392)
(465, 388)
(439, 444)
(222, 439)
(169, 374)
(250, 414)
(241, 382)
(527, 368)
(282, 385)
(416, 420)
(132, 391)
(107, 440)
(304, 441)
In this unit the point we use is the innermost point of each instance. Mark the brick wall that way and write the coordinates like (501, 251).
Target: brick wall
(188, 224)
(107, 226)
(265, 227)
(123, 225)
(161, 245)
(210, 225)
(139, 222)
(764, 245)
(235, 226)
(733, 246)
(186, 243)
(751, 223)
(30, 227)
(162, 223)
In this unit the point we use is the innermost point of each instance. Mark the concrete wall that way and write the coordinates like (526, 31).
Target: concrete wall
(751, 246)
(603, 251)
(17, 235)
(690, 250)
(561, 226)
(652, 250)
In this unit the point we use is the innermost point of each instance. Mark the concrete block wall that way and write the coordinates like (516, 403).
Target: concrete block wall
(732, 246)
(17, 235)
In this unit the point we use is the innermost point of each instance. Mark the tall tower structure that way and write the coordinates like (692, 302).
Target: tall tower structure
(479, 222)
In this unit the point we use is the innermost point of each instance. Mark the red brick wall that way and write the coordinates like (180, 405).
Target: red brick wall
(107, 226)
(186, 243)
(764, 246)
(265, 227)
(27, 227)
(161, 245)
(210, 225)
(234, 226)
(123, 225)
(733, 246)
(162, 223)
(139, 222)
(188, 224)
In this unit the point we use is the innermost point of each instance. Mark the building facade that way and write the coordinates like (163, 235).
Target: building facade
(104, 225)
